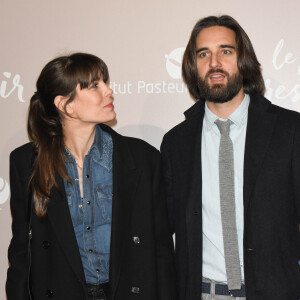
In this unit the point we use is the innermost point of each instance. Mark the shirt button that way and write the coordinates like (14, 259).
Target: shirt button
(88, 228)
(90, 250)
(80, 205)
(135, 290)
(97, 270)
(88, 202)
(87, 176)
(76, 179)
(136, 240)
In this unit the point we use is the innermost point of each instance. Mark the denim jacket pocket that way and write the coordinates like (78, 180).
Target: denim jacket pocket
(104, 195)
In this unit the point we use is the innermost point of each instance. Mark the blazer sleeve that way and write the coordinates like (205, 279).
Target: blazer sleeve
(164, 242)
(18, 271)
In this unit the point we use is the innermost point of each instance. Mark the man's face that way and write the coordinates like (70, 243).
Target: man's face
(219, 78)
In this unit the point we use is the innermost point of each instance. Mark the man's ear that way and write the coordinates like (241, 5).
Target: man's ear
(60, 101)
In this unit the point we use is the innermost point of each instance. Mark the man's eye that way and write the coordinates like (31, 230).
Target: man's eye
(226, 51)
(203, 54)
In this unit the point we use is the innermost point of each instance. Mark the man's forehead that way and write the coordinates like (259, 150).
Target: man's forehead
(216, 36)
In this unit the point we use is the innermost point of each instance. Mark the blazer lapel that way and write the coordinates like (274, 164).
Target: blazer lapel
(259, 132)
(60, 218)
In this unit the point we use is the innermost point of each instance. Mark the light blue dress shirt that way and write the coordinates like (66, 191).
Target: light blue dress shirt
(213, 247)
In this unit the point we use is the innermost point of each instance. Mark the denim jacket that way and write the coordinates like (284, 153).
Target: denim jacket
(91, 215)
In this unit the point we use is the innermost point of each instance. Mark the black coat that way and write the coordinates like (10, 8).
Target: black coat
(271, 201)
(142, 270)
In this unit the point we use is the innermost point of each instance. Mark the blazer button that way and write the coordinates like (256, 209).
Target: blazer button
(135, 290)
(136, 240)
(49, 293)
(45, 244)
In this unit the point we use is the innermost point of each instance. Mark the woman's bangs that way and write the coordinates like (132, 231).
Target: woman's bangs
(91, 73)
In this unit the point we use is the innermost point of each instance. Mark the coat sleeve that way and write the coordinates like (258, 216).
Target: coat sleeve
(164, 241)
(296, 168)
(168, 182)
(296, 177)
(18, 271)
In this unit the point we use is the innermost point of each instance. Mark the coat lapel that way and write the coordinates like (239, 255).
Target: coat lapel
(125, 180)
(192, 144)
(260, 127)
(60, 218)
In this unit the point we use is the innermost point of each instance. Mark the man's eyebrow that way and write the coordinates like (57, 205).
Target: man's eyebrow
(201, 49)
(227, 46)
(221, 46)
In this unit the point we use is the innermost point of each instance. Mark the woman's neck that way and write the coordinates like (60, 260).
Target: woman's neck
(78, 139)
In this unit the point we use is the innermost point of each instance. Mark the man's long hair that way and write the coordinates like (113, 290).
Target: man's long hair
(248, 65)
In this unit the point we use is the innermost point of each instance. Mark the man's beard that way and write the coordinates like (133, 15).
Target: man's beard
(220, 93)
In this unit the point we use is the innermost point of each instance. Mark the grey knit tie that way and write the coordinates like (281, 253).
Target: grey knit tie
(227, 202)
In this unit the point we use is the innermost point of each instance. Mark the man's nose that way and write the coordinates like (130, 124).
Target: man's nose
(215, 61)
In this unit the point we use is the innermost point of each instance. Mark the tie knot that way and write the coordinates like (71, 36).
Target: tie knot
(224, 126)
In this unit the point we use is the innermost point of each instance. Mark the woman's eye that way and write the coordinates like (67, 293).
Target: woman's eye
(94, 85)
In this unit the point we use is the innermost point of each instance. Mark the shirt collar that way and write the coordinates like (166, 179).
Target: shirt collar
(238, 117)
(98, 148)
(98, 142)
(102, 148)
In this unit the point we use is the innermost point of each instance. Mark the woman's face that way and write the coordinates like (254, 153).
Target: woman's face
(93, 105)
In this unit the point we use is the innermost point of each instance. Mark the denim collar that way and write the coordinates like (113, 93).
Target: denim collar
(101, 149)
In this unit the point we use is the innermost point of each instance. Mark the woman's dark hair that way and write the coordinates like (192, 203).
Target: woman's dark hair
(248, 65)
(59, 77)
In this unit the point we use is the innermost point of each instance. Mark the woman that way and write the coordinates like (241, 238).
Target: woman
(97, 226)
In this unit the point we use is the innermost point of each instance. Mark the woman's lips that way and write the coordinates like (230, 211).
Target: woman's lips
(110, 105)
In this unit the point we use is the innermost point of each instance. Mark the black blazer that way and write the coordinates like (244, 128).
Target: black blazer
(142, 270)
(271, 201)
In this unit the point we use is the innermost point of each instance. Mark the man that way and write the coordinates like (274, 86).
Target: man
(232, 172)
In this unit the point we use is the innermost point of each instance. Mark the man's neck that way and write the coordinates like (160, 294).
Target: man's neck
(224, 110)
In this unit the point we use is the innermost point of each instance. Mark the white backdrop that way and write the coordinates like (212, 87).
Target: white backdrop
(142, 43)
